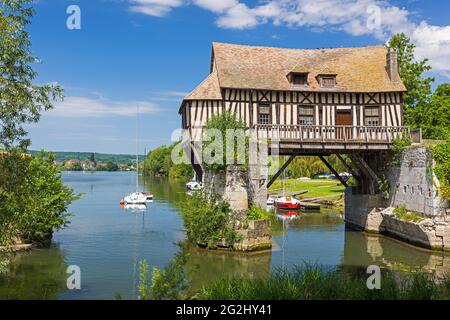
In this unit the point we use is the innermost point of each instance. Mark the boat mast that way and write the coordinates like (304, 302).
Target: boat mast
(137, 148)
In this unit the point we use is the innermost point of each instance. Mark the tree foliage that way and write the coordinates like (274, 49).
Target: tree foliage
(441, 154)
(434, 116)
(21, 101)
(208, 220)
(311, 166)
(423, 108)
(33, 200)
(159, 163)
(411, 71)
(223, 122)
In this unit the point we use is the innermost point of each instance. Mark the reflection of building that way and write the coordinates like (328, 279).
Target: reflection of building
(362, 250)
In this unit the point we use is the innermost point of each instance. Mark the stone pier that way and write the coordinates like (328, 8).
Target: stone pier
(237, 187)
(413, 186)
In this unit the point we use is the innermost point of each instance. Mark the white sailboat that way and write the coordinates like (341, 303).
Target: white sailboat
(137, 198)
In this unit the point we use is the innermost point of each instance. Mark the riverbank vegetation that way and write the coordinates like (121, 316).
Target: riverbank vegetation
(305, 282)
(158, 163)
(208, 221)
(316, 283)
(441, 154)
(33, 200)
(405, 215)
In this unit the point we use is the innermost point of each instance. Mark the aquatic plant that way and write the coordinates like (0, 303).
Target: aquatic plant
(318, 283)
(168, 283)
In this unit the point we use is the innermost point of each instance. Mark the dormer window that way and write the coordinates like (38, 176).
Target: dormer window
(327, 81)
(299, 79)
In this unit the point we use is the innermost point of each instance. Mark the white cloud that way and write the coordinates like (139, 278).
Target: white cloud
(433, 42)
(82, 107)
(217, 6)
(238, 17)
(156, 8)
(378, 18)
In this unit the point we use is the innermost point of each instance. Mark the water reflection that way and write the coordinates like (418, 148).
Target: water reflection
(205, 266)
(37, 274)
(363, 249)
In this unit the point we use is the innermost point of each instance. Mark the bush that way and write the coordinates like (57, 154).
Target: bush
(33, 200)
(316, 283)
(441, 154)
(398, 146)
(168, 283)
(159, 163)
(405, 215)
(257, 213)
(208, 220)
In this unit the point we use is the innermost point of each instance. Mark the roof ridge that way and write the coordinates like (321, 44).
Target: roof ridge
(297, 49)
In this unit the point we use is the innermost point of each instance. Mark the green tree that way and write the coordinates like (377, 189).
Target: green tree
(34, 203)
(21, 101)
(435, 115)
(110, 166)
(33, 200)
(223, 122)
(159, 161)
(411, 70)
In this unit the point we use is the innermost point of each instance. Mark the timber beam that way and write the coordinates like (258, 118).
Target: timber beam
(349, 167)
(280, 171)
(330, 167)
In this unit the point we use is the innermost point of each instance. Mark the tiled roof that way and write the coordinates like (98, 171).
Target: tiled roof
(209, 89)
(248, 67)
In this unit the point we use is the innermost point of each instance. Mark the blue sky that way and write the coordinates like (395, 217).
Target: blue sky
(152, 52)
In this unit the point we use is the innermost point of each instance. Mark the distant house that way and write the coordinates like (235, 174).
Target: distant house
(88, 165)
(70, 163)
(123, 167)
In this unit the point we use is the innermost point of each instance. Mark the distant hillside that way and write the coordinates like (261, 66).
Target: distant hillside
(99, 157)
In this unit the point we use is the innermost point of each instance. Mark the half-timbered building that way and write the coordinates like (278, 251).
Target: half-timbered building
(319, 101)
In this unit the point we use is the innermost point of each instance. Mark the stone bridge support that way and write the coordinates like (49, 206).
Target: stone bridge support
(410, 185)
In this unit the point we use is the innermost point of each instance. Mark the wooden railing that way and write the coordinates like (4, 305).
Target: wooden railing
(343, 134)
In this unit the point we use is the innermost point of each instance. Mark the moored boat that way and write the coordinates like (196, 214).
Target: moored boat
(287, 203)
(134, 198)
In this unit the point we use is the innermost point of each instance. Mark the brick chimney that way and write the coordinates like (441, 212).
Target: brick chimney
(392, 65)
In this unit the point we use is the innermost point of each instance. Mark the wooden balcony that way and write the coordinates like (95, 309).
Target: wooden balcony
(334, 137)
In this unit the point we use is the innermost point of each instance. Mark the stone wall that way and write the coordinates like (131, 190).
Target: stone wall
(413, 185)
(360, 208)
(235, 187)
(255, 236)
(258, 174)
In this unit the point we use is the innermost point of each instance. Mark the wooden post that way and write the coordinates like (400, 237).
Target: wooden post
(349, 168)
(333, 171)
(280, 171)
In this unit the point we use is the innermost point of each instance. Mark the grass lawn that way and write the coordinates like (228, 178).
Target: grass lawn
(316, 188)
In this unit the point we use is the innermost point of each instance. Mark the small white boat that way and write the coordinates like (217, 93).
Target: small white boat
(287, 203)
(135, 198)
(193, 186)
(270, 201)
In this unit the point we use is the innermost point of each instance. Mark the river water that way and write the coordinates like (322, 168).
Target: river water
(108, 242)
